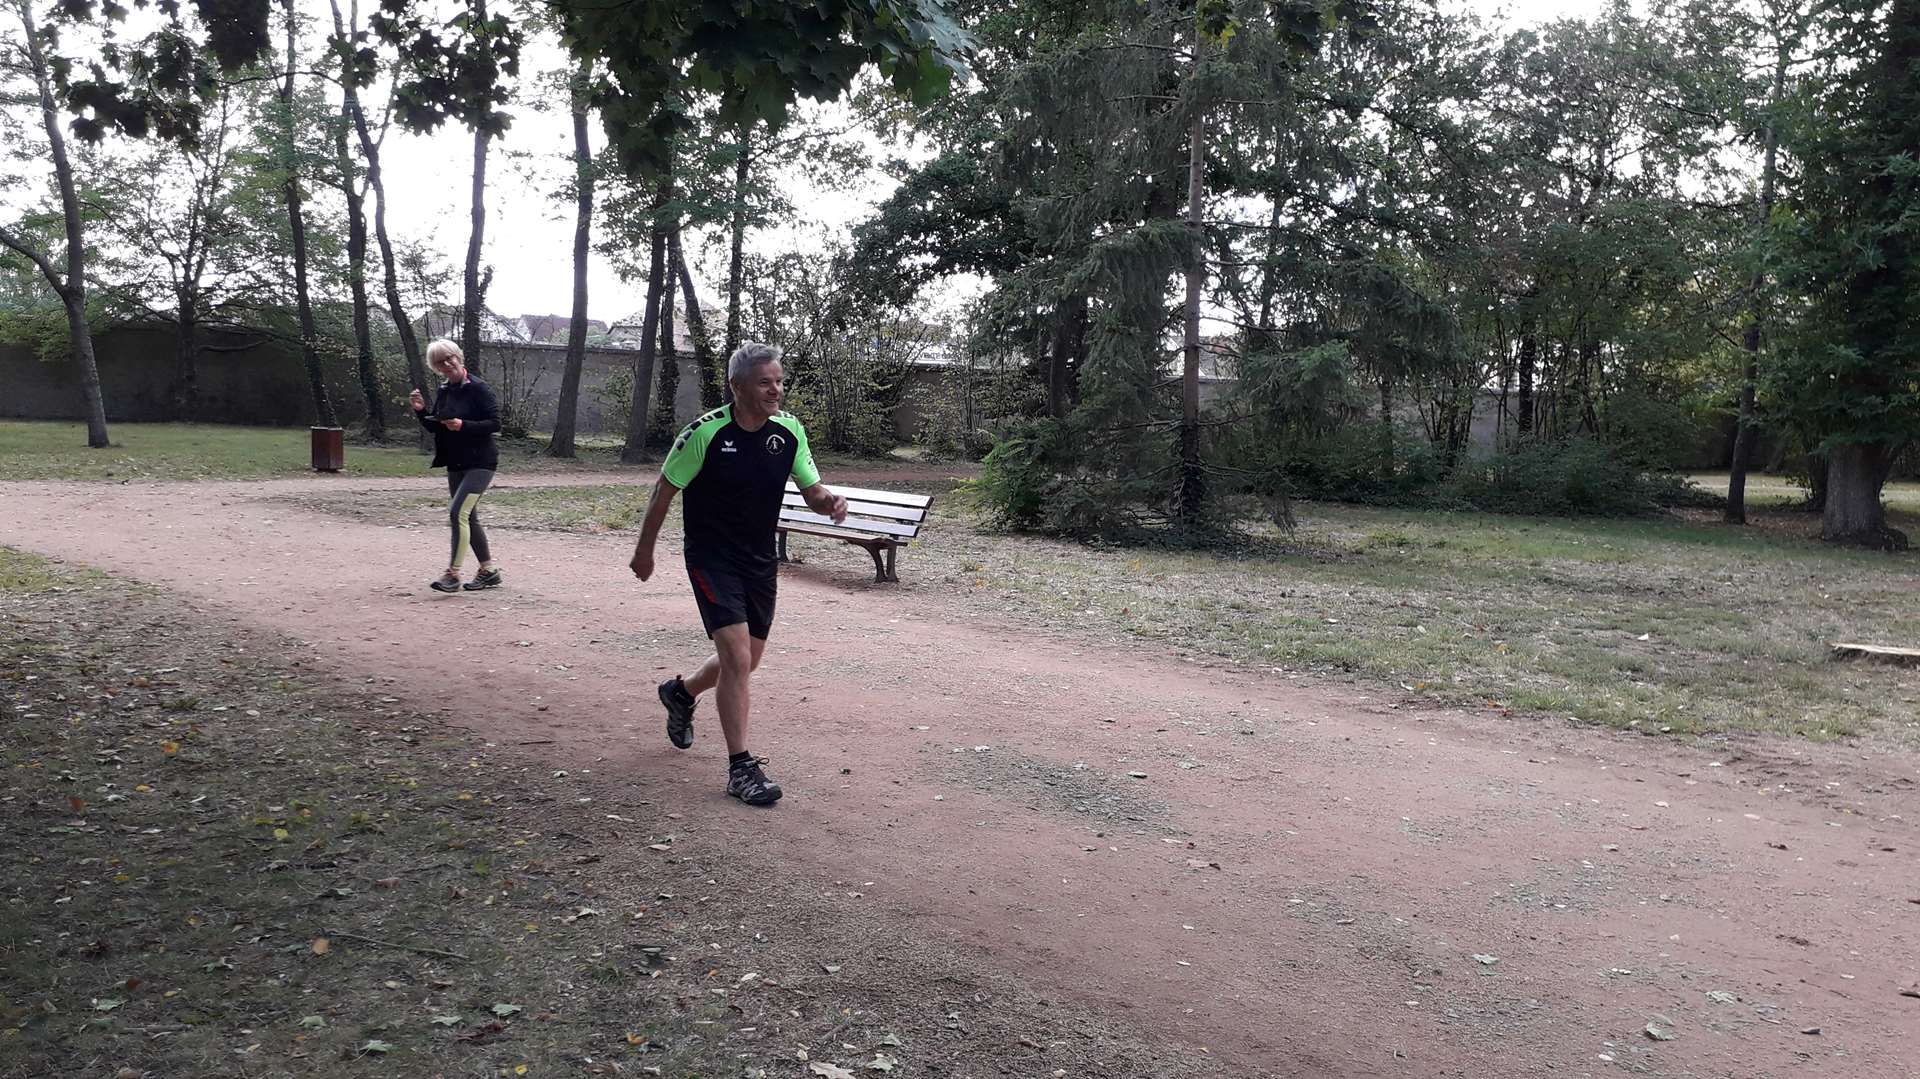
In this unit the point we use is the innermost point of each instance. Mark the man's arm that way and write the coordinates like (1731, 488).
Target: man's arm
(824, 502)
(663, 492)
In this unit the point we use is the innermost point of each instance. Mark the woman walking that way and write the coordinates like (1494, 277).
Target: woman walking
(464, 419)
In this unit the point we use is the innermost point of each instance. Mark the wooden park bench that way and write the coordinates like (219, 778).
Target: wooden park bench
(880, 521)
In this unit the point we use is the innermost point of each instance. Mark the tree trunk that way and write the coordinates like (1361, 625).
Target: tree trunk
(297, 225)
(390, 275)
(1060, 359)
(742, 167)
(1386, 429)
(73, 290)
(1529, 357)
(1190, 491)
(567, 409)
(712, 377)
(635, 449)
(473, 299)
(1745, 434)
(1854, 514)
(357, 268)
(186, 379)
(668, 366)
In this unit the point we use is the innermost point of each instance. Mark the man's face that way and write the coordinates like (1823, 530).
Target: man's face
(763, 388)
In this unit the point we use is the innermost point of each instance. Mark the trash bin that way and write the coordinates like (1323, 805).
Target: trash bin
(329, 448)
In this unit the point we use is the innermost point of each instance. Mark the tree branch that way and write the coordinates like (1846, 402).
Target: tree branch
(38, 258)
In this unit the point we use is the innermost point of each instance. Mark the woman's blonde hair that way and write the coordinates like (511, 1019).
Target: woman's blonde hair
(441, 348)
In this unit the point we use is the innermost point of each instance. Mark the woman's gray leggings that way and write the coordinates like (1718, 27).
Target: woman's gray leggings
(463, 515)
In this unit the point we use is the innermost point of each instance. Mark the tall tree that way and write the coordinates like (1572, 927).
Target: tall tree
(1787, 23)
(465, 76)
(291, 169)
(567, 408)
(363, 66)
(181, 249)
(634, 449)
(712, 376)
(1853, 375)
(70, 282)
(354, 190)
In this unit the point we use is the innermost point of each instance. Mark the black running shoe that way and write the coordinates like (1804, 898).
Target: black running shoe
(446, 582)
(673, 694)
(751, 785)
(486, 578)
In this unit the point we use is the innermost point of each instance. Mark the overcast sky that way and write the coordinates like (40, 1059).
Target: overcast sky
(529, 237)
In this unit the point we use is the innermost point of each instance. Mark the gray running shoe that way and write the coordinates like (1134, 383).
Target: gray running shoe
(673, 694)
(751, 785)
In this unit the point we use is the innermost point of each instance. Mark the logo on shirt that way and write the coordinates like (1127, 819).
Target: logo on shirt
(775, 444)
(726, 446)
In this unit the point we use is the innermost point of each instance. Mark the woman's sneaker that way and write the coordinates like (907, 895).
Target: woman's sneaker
(673, 694)
(751, 785)
(486, 578)
(447, 582)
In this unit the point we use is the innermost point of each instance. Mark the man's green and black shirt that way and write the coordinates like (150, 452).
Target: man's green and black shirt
(734, 481)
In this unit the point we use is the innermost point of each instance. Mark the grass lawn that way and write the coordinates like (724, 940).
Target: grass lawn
(1676, 625)
(57, 450)
(1764, 490)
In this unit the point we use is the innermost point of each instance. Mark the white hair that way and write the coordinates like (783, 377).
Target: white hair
(749, 356)
(443, 348)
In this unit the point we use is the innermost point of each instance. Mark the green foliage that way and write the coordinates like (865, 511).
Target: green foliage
(1579, 477)
(755, 57)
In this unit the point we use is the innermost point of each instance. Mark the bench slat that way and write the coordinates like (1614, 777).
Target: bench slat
(839, 533)
(857, 508)
(886, 528)
(888, 498)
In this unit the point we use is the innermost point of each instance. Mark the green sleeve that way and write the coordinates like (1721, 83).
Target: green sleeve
(805, 472)
(689, 451)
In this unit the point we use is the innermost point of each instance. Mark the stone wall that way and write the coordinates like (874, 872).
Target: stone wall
(246, 379)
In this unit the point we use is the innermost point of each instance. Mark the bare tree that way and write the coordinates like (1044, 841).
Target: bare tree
(69, 284)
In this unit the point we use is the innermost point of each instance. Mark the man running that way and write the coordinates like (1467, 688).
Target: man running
(733, 463)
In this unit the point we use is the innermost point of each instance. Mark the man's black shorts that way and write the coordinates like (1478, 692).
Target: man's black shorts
(728, 597)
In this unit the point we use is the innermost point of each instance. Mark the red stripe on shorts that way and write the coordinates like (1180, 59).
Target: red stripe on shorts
(700, 580)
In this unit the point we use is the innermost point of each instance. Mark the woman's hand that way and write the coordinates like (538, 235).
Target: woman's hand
(418, 402)
(451, 425)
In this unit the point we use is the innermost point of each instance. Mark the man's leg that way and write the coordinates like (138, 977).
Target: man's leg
(736, 654)
(708, 675)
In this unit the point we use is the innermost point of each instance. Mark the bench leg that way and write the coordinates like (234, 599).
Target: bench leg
(892, 576)
(879, 570)
(783, 547)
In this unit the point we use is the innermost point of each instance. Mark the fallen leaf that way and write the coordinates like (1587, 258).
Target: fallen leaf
(445, 1020)
(881, 1062)
(321, 945)
(374, 1045)
(1658, 1033)
(828, 1071)
(169, 748)
(1721, 996)
(504, 1010)
(891, 1040)
(106, 1005)
(313, 1022)
(1486, 960)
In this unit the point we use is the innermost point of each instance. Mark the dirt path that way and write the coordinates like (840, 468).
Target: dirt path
(1300, 883)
